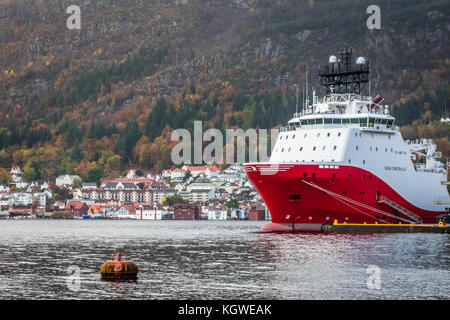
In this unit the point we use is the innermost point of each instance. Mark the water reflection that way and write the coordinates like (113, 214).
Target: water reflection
(217, 260)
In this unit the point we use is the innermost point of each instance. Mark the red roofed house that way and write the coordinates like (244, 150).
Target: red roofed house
(77, 209)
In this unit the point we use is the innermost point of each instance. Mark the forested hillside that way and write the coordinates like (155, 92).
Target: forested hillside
(106, 97)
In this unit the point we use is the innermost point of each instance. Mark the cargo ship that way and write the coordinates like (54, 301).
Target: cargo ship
(343, 158)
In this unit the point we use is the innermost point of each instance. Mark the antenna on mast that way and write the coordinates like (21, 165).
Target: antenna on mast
(296, 94)
(307, 93)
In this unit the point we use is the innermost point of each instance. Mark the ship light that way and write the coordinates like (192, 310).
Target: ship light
(332, 59)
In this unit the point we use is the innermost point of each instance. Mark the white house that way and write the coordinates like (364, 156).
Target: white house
(217, 213)
(151, 212)
(66, 180)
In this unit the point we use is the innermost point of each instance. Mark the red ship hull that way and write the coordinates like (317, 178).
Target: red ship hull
(304, 197)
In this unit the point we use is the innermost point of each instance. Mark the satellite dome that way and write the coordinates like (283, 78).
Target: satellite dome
(361, 60)
(332, 59)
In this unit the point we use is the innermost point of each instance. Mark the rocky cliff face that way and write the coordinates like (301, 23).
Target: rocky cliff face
(257, 45)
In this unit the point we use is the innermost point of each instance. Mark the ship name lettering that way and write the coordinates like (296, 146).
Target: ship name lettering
(394, 168)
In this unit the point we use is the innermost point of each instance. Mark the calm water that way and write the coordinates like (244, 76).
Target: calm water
(217, 260)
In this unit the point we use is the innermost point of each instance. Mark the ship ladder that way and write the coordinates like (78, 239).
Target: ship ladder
(347, 201)
(399, 208)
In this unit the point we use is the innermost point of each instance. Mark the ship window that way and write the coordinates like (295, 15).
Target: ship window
(383, 121)
(328, 134)
(392, 150)
(304, 122)
(349, 176)
(313, 175)
(323, 148)
(370, 148)
(354, 120)
(356, 134)
(349, 160)
(297, 124)
(337, 121)
(305, 174)
(282, 150)
(345, 121)
(364, 162)
(311, 121)
(390, 123)
(371, 121)
(294, 197)
(293, 136)
(335, 147)
(357, 148)
(363, 122)
(314, 148)
(334, 175)
(328, 120)
(301, 148)
(305, 135)
(318, 135)
(377, 120)
(289, 150)
(376, 149)
(339, 134)
(319, 121)
(385, 149)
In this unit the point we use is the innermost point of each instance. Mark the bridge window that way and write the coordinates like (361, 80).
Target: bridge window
(371, 122)
(377, 121)
(354, 120)
(311, 121)
(318, 135)
(390, 122)
(301, 148)
(319, 121)
(328, 120)
(337, 121)
(323, 148)
(304, 122)
(357, 148)
(345, 121)
(363, 122)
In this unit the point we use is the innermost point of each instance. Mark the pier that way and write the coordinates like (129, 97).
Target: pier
(385, 228)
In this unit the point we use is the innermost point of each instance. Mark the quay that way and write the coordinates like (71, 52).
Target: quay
(344, 227)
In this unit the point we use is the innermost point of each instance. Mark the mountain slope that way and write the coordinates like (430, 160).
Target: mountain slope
(107, 96)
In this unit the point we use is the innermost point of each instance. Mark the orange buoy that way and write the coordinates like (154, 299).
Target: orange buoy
(119, 268)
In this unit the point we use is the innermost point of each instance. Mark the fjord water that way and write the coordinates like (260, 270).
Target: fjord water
(216, 260)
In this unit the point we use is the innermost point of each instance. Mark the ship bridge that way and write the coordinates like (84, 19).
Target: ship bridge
(344, 110)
